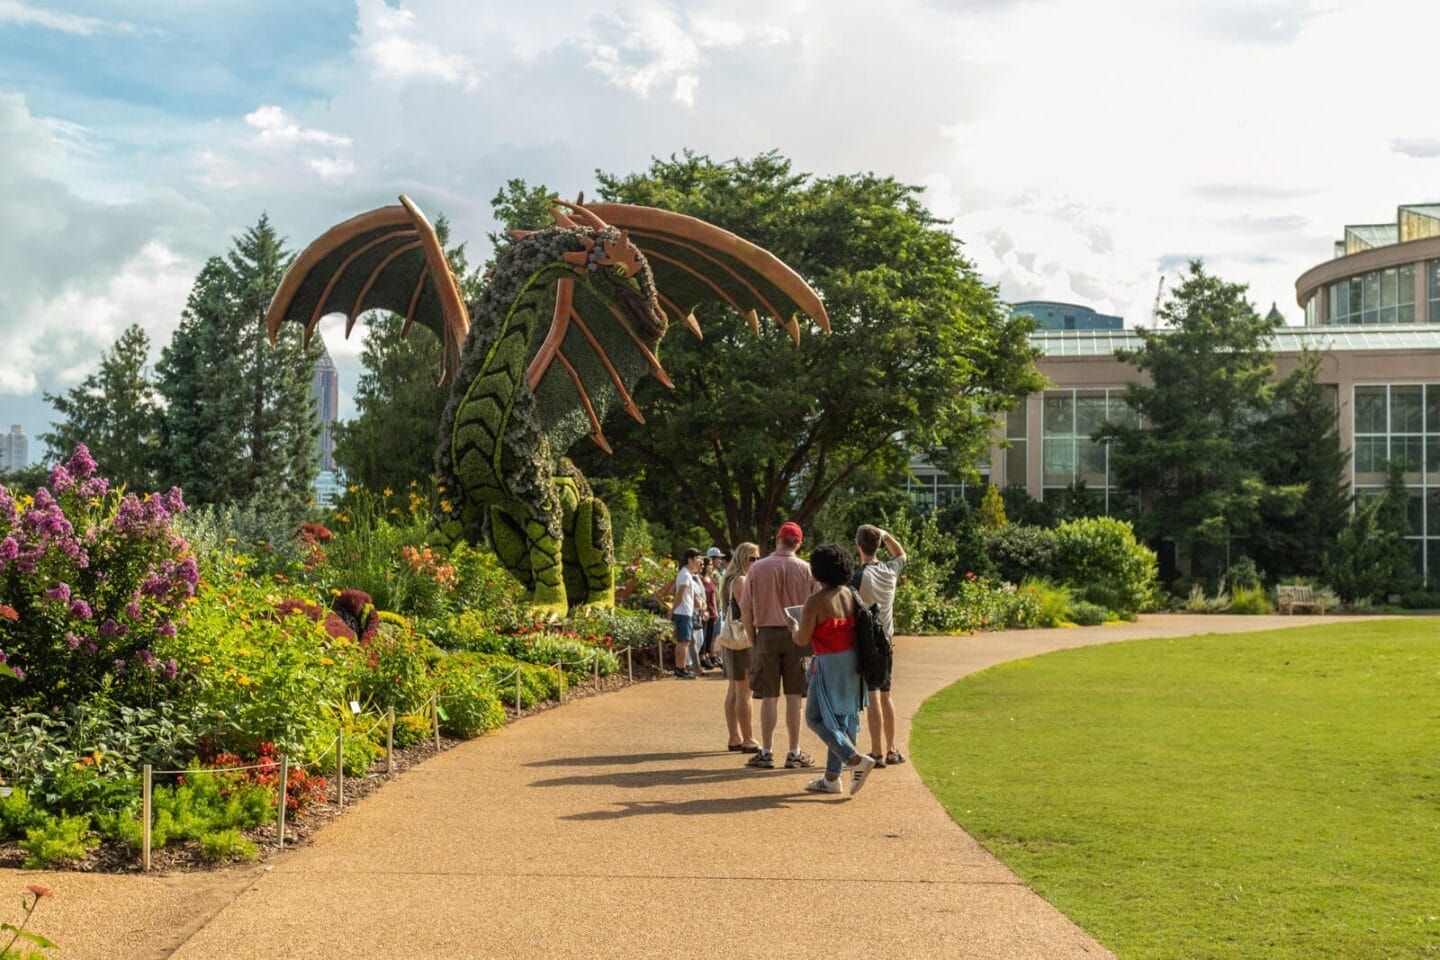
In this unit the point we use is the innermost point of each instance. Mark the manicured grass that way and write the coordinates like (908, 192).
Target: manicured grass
(1270, 795)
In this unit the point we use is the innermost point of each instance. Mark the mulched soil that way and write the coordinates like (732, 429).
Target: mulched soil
(184, 855)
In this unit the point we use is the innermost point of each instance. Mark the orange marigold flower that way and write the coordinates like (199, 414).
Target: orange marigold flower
(39, 891)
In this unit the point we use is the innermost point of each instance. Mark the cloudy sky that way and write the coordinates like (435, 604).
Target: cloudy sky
(1082, 148)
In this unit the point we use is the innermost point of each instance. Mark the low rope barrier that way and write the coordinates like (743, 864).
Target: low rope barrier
(148, 773)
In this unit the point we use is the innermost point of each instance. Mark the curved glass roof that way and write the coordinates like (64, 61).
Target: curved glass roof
(1098, 343)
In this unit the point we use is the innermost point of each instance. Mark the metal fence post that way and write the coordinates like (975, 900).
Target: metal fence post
(435, 717)
(146, 787)
(340, 769)
(519, 702)
(389, 740)
(630, 663)
(284, 795)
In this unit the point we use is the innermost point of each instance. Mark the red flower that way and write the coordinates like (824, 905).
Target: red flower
(39, 891)
(8, 612)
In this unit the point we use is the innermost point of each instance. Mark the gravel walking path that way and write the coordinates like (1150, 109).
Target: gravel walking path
(618, 826)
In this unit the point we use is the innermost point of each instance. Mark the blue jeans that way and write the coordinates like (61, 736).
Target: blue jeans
(837, 695)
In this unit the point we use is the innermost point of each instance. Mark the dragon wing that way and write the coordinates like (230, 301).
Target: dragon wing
(386, 259)
(694, 262)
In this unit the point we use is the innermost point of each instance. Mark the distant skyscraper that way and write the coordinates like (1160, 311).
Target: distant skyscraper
(14, 449)
(326, 391)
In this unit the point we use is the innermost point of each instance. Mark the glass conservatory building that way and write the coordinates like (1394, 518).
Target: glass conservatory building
(1374, 313)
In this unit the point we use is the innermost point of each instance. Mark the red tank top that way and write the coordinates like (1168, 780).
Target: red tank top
(834, 635)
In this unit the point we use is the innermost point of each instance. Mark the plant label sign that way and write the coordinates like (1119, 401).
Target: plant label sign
(355, 707)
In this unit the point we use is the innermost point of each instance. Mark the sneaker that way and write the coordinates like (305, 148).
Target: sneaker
(762, 760)
(798, 759)
(861, 773)
(684, 675)
(822, 785)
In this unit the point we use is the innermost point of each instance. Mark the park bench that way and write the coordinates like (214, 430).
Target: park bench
(1289, 598)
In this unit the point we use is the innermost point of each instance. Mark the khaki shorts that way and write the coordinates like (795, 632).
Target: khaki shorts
(778, 664)
(736, 663)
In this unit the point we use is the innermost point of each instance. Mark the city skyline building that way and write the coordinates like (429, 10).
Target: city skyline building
(14, 449)
(325, 391)
(1056, 315)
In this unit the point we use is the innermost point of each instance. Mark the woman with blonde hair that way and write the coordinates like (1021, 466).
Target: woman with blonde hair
(735, 651)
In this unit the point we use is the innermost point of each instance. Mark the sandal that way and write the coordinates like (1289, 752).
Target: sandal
(894, 756)
(880, 761)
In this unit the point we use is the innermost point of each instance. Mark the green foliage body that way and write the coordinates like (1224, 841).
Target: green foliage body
(992, 509)
(114, 412)
(1370, 557)
(1018, 552)
(57, 840)
(1248, 797)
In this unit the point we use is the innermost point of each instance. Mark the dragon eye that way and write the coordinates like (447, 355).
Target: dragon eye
(618, 270)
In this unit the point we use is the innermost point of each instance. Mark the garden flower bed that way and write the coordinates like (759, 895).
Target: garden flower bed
(131, 634)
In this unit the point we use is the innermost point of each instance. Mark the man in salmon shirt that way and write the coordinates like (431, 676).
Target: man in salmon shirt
(778, 581)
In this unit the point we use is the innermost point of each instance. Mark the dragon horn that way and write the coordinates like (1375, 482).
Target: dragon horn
(591, 220)
(753, 318)
(694, 325)
(520, 234)
(561, 220)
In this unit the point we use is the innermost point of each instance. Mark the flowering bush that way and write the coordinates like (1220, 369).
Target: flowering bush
(641, 576)
(93, 583)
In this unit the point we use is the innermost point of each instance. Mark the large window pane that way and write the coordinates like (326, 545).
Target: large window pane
(1406, 410)
(1434, 574)
(1432, 460)
(1370, 458)
(1409, 451)
(1389, 287)
(1416, 512)
(1092, 462)
(1059, 414)
(1369, 409)
(1432, 513)
(1121, 412)
(1015, 463)
(1015, 421)
(1434, 267)
(1407, 284)
(1059, 458)
(1432, 406)
(1372, 290)
(1089, 412)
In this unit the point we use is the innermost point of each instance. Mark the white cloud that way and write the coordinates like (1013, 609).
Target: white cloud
(279, 128)
(387, 43)
(25, 15)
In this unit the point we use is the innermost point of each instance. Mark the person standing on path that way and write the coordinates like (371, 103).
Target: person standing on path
(778, 665)
(711, 623)
(735, 652)
(876, 582)
(837, 691)
(683, 609)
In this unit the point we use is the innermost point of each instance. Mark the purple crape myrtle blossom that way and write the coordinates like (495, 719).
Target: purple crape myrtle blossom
(80, 610)
(109, 628)
(165, 628)
(120, 667)
(81, 464)
(147, 659)
(132, 610)
(60, 479)
(171, 668)
(61, 592)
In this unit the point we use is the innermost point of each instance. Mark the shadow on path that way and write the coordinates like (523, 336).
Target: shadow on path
(622, 759)
(706, 807)
(644, 779)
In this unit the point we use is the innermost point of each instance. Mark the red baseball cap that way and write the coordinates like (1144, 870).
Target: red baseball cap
(790, 530)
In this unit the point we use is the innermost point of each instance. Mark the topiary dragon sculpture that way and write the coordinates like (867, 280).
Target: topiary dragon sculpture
(567, 323)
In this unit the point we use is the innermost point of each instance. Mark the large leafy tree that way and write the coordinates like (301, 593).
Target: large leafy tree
(1196, 462)
(114, 412)
(391, 441)
(239, 423)
(1300, 445)
(757, 430)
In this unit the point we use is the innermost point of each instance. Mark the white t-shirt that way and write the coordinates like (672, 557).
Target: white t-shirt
(685, 584)
(877, 585)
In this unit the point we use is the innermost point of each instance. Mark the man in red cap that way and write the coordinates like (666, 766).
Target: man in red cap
(778, 581)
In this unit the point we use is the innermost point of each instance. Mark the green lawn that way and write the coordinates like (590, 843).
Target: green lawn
(1270, 795)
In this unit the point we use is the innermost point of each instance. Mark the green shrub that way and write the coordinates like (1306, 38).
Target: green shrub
(1243, 573)
(1250, 600)
(473, 631)
(1020, 552)
(1101, 560)
(361, 751)
(225, 846)
(203, 803)
(1052, 601)
(1088, 614)
(396, 669)
(56, 840)
(469, 705)
(625, 628)
(1198, 602)
(18, 814)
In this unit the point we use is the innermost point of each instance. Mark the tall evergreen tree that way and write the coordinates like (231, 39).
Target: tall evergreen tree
(239, 424)
(1195, 463)
(391, 441)
(114, 412)
(1300, 445)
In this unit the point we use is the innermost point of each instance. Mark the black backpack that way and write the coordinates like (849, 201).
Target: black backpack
(872, 646)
